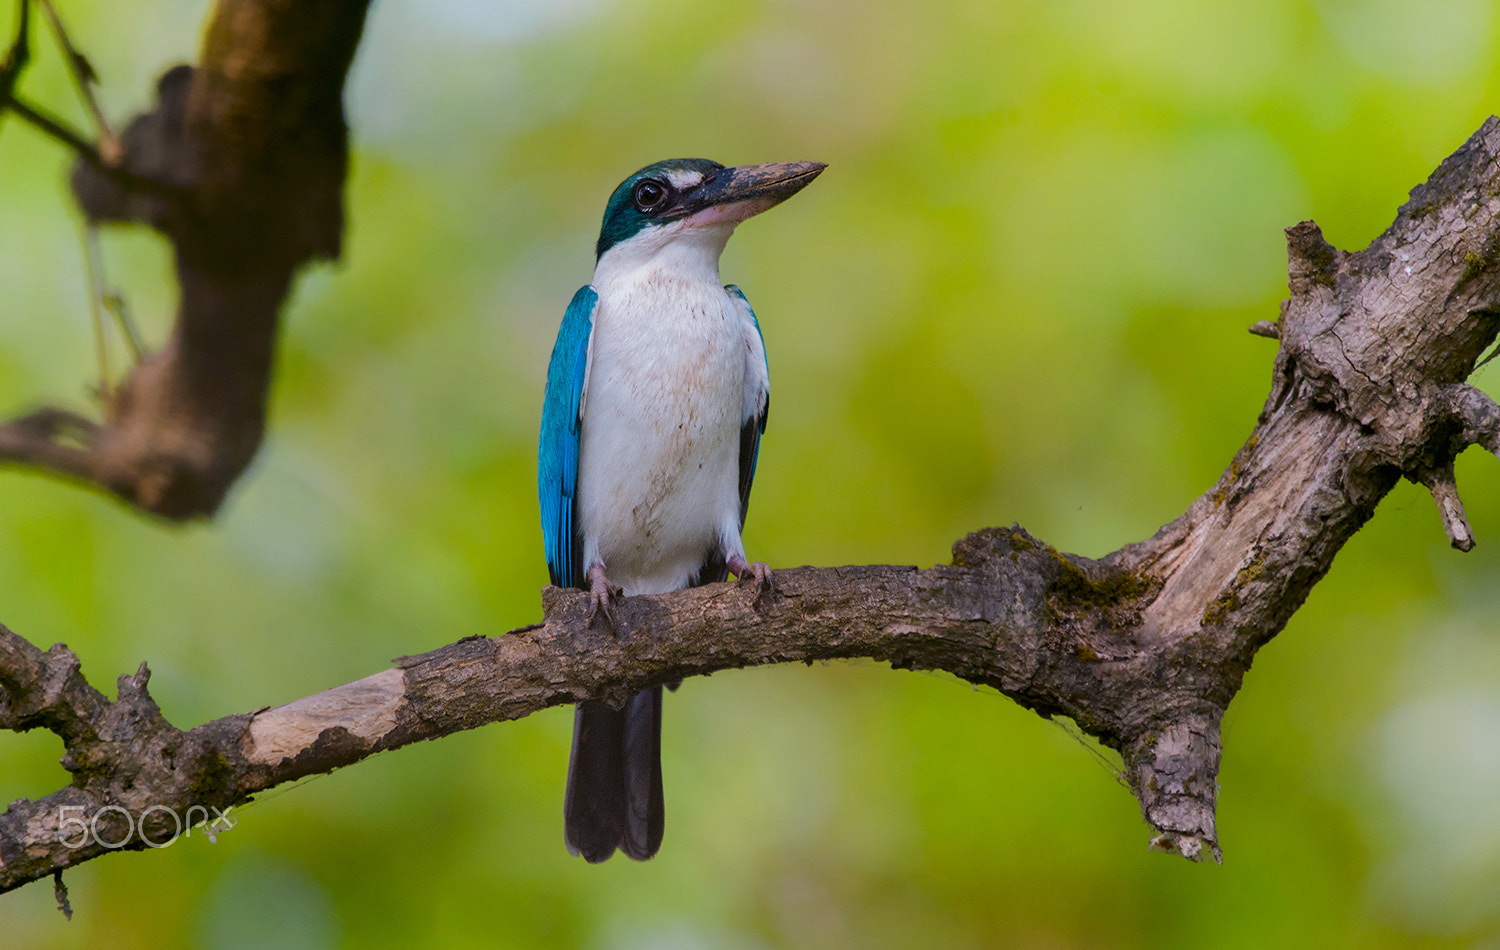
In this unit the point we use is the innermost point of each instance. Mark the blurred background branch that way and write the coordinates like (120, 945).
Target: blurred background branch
(241, 166)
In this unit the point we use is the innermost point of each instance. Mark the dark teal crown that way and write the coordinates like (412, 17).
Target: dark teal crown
(629, 213)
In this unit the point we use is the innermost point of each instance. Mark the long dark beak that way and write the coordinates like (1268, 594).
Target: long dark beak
(735, 194)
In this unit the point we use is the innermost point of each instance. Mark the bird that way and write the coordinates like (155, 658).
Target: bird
(657, 395)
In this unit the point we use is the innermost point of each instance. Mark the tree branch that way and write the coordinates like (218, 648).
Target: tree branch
(986, 618)
(241, 166)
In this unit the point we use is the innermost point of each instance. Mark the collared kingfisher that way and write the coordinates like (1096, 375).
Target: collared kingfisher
(657, 395)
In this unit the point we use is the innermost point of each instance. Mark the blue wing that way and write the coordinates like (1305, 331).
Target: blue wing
(757, 403)
(557, 456)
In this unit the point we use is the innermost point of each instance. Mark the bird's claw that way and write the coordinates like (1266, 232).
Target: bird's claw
(759, 570)
(599, 607)
(601, 593)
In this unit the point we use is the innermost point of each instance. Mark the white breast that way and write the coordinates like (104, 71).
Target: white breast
(658, 480)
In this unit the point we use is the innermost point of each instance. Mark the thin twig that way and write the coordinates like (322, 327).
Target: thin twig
(114, 302)
(84, 78)
(58, 129)
(16, 57)
(95, 268)
(104, 298)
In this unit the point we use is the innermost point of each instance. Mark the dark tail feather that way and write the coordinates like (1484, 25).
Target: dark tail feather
(614, 798)
(645, 809)
(594, 806)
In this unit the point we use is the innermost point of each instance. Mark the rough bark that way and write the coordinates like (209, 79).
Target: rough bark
(241, 166)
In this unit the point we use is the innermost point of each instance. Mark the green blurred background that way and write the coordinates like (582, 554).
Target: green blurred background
(1019, 293)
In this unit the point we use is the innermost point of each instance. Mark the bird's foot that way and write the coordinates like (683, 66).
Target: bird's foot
(744, 570)
(601, 592)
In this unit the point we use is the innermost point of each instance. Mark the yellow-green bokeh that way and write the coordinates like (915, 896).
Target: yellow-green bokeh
(1019, 293)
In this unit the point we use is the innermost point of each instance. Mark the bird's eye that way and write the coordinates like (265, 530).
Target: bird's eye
(650, 194)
